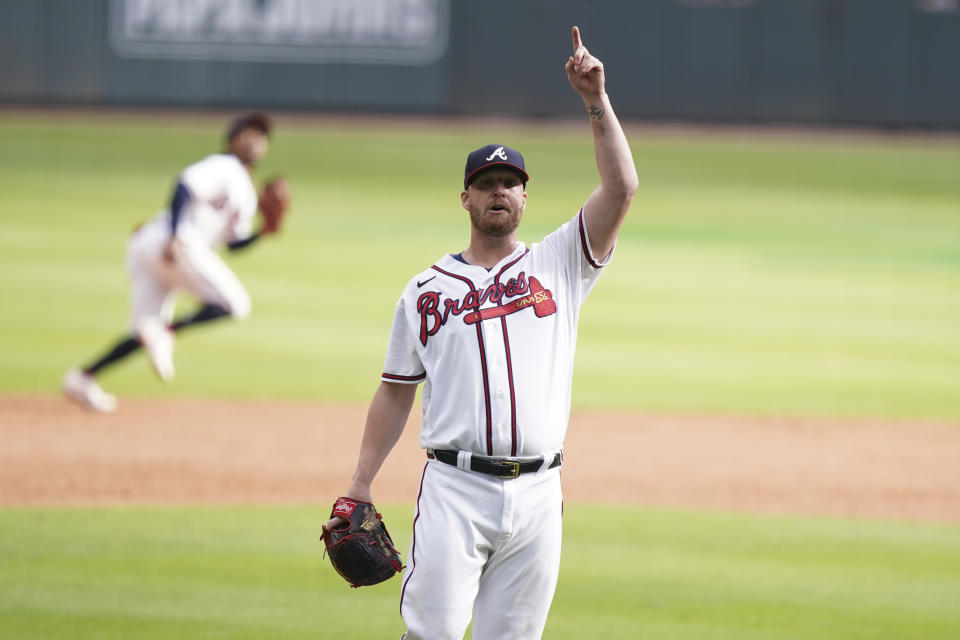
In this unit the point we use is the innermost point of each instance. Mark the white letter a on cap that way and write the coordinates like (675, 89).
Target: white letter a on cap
(499, 153)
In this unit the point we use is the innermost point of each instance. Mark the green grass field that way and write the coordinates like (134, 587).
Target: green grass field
(239, 573)
(754, 276)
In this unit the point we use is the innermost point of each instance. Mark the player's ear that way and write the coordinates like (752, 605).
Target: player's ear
(465, 199)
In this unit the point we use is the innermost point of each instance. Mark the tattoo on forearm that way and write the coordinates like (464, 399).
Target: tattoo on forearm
(595, 112)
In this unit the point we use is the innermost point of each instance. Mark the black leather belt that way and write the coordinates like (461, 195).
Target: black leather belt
(502, 468)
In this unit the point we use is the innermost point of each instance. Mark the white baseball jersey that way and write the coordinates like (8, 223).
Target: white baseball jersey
(495, 348)
(223, 201)
(221, 210)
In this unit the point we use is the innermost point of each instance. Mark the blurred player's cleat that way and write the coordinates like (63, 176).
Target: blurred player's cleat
(84, 390)
(157, 339)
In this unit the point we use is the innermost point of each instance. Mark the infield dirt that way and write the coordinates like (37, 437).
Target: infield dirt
(198, 451)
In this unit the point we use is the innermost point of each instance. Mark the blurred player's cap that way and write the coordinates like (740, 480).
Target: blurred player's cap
(493, 155)
(253, 120)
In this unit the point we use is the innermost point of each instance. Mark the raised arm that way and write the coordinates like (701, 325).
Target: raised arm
(607, 206)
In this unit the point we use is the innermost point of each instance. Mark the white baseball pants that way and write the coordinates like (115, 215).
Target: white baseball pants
(483, 546)
(196, 268)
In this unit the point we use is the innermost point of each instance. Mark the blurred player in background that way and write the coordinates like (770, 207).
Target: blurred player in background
(213, 206)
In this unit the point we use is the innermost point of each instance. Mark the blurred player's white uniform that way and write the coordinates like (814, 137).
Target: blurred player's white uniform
(221, 211)
(213, 205)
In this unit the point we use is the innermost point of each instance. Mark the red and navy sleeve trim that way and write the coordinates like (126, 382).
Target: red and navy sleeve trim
(584, 244)
(398, 378)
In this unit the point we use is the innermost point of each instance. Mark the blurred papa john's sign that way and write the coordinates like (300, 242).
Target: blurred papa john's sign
(411, 32)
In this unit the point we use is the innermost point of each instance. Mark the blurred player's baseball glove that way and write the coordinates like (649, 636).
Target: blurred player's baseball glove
(274, 202)
(361, 549)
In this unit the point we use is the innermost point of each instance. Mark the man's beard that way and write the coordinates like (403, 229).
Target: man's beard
(496, 226)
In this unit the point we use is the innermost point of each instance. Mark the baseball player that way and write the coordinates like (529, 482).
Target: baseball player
(490, 332)
(213, 205)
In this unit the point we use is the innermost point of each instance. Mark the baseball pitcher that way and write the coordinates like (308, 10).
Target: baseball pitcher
(490, 333)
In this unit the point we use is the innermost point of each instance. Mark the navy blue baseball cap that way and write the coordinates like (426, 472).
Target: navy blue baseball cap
(493, 155)
(255, 120)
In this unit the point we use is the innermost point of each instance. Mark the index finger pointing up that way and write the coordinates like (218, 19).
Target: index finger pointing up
(575, 32)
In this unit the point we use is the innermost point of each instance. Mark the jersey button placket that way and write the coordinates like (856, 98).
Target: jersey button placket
(498, 383)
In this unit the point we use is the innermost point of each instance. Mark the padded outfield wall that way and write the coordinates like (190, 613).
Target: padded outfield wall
(891, 63)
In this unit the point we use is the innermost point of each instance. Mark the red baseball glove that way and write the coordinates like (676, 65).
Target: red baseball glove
(274, 203)
(361, 549)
